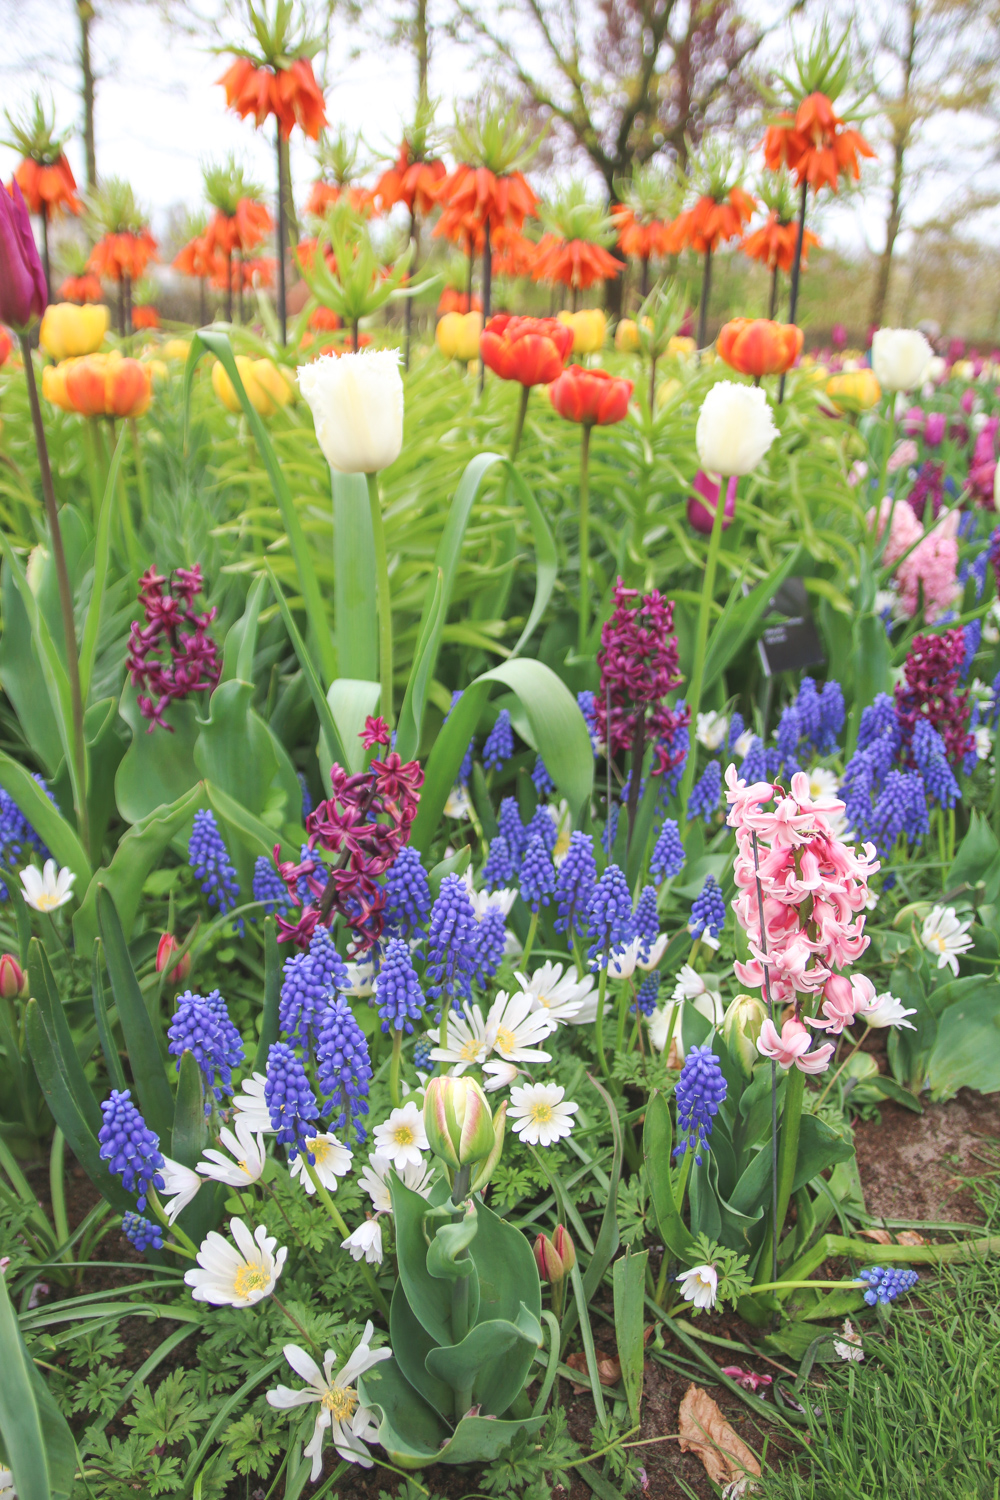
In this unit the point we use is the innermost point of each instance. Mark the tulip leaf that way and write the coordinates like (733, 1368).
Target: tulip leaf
(739, 618)
(429, 1299)
(218, 344)
(354, 590)
(446, 1258)
(492, 1359)
(608, 1238)
(46, 992)
(557, 726)
(241, 637)
(157, 767)
(23, 678)
(45, 818)
(37, 1440)
(351, 702)
(234, 750)
(272, 995)
(411, 1344)
(111, 1058)
(102, 553)
(966, 1052)
(327, 723)
(145, 1060)
(256, 837)
(629, 1278)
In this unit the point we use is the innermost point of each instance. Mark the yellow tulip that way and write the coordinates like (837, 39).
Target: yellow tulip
(590, 328)
(68, 330)
(274, 384)
(175, 348)
(158, 369)
(854, 390)
(627, 336)
(680, 345)
(54, 385)
(457, 335)
(666, 391)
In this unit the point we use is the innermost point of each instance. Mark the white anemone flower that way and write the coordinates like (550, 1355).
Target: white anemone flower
(743, 742)
(702, 991)
(659, 1028)
(945, 936)
(984, 741)
(514, 1029)
(710, 729)
(483, 900)
(561, 996)
(252, 1112)
(402, 1137)
(180, 1184)
(240, 1277)
(7, 1490)
(333, 1160)
(699, 1285)
(48, 889)
(245, 1161)
(849, 1347)
(539, 1113)
(458, 804)
(373, 1179)
(360, 981)
(349, 1424)
(499, 1075)
(886, 1010)
(467, 1044)
(365, 1242)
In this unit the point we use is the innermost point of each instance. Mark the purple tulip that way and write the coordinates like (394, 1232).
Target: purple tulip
(838, 336)
(23, 294)
(968, 400)
(700, 515)
(934, 428)
(913, 422)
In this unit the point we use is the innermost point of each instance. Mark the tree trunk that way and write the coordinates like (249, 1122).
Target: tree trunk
(900, 143)
(85, 14)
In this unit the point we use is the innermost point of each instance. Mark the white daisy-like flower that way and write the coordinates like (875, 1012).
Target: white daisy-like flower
(467, 1042)
(822, 782)
(984, 741)
(703, 992)
(514, 1029)
(333, 1160)
(991, 624)
(699, 1285)
(742, 743)
(561, 996)
(49, 888)
(415, 1175)
(180, 1184)
(657, 948)
(710, 729)
(7, 1490)
(850, 1346)
(499, 1075)
(251, 1110)
(245, 1161)
(945, 936)
(360, 980)
(539, 1113)
(483, 900)
(458, 804)
(402, 1137)
(886, 1010)
(658, 1026)
(366, 1242)
(240, 1277)
(350, 1425)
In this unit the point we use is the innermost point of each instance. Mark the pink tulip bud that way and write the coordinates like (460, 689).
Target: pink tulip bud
(13, 979)
(564, 1247)
(548, 1261)
(168, 945)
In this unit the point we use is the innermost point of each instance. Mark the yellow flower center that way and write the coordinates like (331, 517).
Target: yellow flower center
(341, 1401)
(506, 1040)
(46, 901)
(541, 1113)
(544, 1000)
(319, 1148)
(249, 1279)
(469, 1051)
(403, 1135)
(936, 940)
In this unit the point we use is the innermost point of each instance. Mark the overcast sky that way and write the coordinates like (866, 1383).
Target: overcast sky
(160, 113)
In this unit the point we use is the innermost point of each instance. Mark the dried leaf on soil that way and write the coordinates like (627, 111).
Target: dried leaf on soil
(880, 1236)
(705, 1431)
(911, 1237)
(609, 1370)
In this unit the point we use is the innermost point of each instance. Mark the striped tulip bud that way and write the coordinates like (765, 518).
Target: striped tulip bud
(741, 1028)
(548, 1260)
(458, 1122)
(13, 979)
(489, 1166)
(563, 1245)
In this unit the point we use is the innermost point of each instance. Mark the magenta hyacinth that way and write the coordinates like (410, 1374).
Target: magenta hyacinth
(638, 662)
(172, 655)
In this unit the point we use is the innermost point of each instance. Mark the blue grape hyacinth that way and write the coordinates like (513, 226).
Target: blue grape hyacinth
(700, 1090)
(397, 989)
(141, 1233)
(705, 794)
(610, 923)
(668, 852)
(538, 875)
(290, 1101)
(499, 870)
(343, 1067)
(886, 1283)
(499, 745)
(451, 943)
(575, 885)
(708, 912)
(407, 893)
(268, 886)
(129, 1147)
(201, 1026)
(210, 861)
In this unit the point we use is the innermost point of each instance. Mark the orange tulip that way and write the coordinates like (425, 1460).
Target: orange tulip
(101, 385)
(86, 386)
(774, 244)
(48, 188)
(815, 144)
(710, 224)
(757, 346)
(129, 388)
(575, 263)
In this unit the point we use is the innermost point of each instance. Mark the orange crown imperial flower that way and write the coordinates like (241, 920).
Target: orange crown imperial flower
(711, 223)
(48, 187)
(85, 288)
(414, 183)
(758, 346)
(291, 94)
(487, 198)
(774, 243)
(324, 195)
(815, 144)
(575, 263)
(119, 255)
(643, 241)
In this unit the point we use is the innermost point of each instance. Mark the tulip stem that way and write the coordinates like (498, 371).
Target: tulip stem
(65, 598)
(793, 283)
(701, 643)
(397, 1049)
(384, 601)
(522, 412)
(584, 622)
(140, 469)
(602, 985)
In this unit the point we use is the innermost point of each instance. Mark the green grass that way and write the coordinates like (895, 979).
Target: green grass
(919, 1419)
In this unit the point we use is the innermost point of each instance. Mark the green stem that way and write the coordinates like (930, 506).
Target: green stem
(627, 989)
(384, 600)
(788, 1151)
(530, 940)
(57, 1190)
(397, 1052)
(338, 1220)
(522, 411)
(843, 1065)
(186, 1241)
(701, 642)
(602, 985)
(584, 529)
(890, 438)
(140, 469)
(129, 541)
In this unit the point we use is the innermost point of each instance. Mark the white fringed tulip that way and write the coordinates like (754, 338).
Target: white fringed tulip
(735, 429)
(900, 357)
(357, 405)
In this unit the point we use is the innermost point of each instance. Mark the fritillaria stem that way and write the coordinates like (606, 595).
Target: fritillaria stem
(282, 235)
(65, 596)
(793, 284)
(706, 292)
(45, 250)
(584, 533)
(384, 601)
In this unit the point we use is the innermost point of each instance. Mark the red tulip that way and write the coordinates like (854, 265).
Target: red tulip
(23, 292)
(701, 515)
(13, 979)
(590, 396)
(530, 350)
(166, 948)
(758, 346)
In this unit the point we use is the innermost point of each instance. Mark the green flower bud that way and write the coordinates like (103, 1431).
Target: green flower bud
(489, 1166)
(458, 1122)
(741, 1028)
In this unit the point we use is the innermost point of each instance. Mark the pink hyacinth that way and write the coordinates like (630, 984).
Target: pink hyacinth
(904, 454)
(932, 566)
(812, 891)
(904, 529)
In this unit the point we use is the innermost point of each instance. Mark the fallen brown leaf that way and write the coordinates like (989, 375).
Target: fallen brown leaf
(609, 1370)
(911, 1237)
(880, 1236)
(705, 1431)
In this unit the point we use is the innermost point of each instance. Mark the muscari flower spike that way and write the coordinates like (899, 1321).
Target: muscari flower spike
(575, 885)
(129, 1147)
(610, 923)
(407, 893)
(708, 911)
(538, 875)
(500, 869)
(647, 921)
(490, 944)
(542, 781)
(648, 994)
(141, 1233)
(886, 1283)
(290, 1101)
(451, 943)
(499, 745)
(705, 794)
(397, 990)
(269, 887)
(208, 858)
(513, 830)
(668, 852)
(343, 1067)
(542, 826)
(201, 1026)
(700, 1090)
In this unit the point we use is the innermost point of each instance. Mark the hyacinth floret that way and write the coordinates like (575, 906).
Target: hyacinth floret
(886, 1283)
(575, 885)
(541, 780)
(647, 921)
(201, 1025)
(499, 870)
(538, 874)
(268, 886)
(610, 922)
(639, 667)
(700, 1090)
(451, 943)
(397, 989)
(171, 655)
(499, 746)
(705, 794)
(668, 852)
(510, 825)
(648, 995)
(407, 893)
(932, 669)
(290, 1101)
(343, 1067)
(129, 1147)
(928, 751)
(141, 1233)
(210, 861)
(490, 944)
(708, 911)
